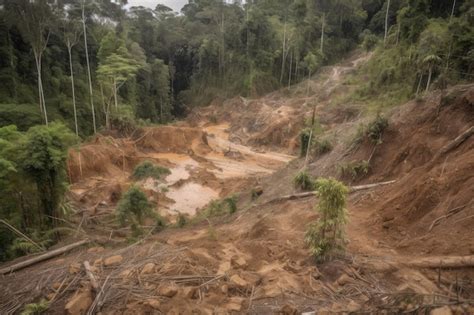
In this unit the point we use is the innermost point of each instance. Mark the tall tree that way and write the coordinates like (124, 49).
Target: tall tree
(91, 94)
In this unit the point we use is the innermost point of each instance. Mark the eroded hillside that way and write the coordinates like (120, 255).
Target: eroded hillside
(405, 237)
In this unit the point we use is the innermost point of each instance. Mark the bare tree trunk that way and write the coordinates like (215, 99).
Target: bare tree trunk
(69, 48)
(430, 72)
(91, 95)
(115, 94)
(161, 109)
(106, 108)
(289, 75)
(322, 33)
(398, 34)
(452, 11)
(38, 58)
(386, 23)
(283, 56)
(419, 84)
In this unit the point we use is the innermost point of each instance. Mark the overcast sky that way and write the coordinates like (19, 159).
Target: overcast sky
(176, 5)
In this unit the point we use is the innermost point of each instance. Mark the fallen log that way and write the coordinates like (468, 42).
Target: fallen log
(443, 262)
(42, 257)
(458, 141)
(352, 189)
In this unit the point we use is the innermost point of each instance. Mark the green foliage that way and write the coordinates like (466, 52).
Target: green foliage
(134, 207)
(376, 129)
(326, 236)
(323, 146)
(221, 207)
(304, 181)
(305, 135)
(148, 169)
(355, 169)
(369, 40)
(36, 308)
(181, 221)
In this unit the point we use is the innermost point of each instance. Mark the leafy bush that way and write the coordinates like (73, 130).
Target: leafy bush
(369, 41)
(304, 138)
(327, 234)
(355, 170)
(323, 146)
(304, 181)
(148, 169)
(36, 308)
(221, 207)
(181, 221)
(376, 129)
(133, 207)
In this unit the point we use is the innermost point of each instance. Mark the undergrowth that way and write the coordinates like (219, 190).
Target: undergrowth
(148, 169)
(354, 169)
(304, 181)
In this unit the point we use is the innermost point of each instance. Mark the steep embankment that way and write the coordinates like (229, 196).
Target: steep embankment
(255, 260)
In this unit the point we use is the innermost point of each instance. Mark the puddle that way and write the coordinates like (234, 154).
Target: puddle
(190, 197)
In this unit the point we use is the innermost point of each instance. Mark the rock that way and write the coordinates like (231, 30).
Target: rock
(237, 261)
(288, 310)
(97, 249)
(258, 191)
(344, 279)
(238, 281)
(353, 306)
(225, 289)
(309, 313)
(167, 290)
(148, 268)
(81, 301)
(56, 285)
(74, 268)
(189, 292)
(445, 310)
(153, 303)
(234, 304)
(113, 260)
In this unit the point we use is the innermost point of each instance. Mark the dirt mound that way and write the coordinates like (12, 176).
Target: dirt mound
(173, 139)
(105, 156)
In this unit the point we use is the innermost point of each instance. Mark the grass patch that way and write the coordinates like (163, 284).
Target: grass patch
(148, 169)
(355, 169)
(323, 146)
(221, 207)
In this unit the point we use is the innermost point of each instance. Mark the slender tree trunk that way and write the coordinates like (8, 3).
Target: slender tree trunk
(452, 11)
(430, 72)
(419, 84)
(289, 75)
(398, 34)
(386, 23)
(91, 95)
(115, 94)
(69, 50)
(38, 59)
(322, 33)
(283, 56)
(161, 109)
(106, 108)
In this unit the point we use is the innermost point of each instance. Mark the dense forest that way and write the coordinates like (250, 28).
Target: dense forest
(69, 69)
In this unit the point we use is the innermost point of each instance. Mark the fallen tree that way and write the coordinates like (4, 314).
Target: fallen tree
(45, 256)
(443, 262)
(352, 189)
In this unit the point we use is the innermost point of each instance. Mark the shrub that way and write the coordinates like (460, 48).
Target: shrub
(355, 170)
(36, 308)
(323, 146)
(369, 41)
(376, 129)
(133, 207)
(304, 138)
(304, 181)
(231, 203)
(148, 169)
(181, 221)
(327, 234)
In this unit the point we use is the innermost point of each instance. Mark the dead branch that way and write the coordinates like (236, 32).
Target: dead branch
(447, 215)
(91, 276)
(443, 262)
(43, 257)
